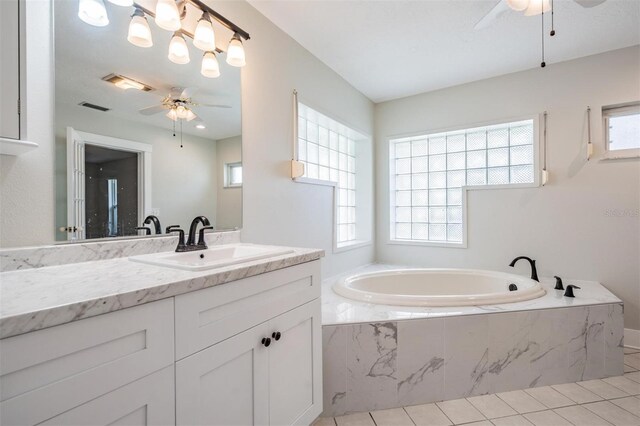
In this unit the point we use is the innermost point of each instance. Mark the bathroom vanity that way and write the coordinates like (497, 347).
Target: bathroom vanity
(121, 342)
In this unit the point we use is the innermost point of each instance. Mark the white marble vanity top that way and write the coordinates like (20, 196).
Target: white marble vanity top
(33, 299)
(340, 310)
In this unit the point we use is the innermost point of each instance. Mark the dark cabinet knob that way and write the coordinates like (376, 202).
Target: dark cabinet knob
(276, 335)
(266, 341)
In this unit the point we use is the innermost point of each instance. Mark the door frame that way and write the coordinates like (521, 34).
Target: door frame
(143, 151)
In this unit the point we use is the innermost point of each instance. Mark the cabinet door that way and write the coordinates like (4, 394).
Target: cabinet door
(148, 401)
(9, 69)
(295, 366)
(225, 384)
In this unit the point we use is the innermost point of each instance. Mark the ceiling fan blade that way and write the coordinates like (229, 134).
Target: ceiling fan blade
(492, 15)
(188, 92)
(153, 109)
(176, 92)
(589, 3)
(212, 105)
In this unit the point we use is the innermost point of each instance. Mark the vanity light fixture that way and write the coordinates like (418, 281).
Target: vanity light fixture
(235, 52)
(126, 82)
(210, 66)
(139, 31)
(178, 50)
(168, 15)
(93, 12)
(204, 38)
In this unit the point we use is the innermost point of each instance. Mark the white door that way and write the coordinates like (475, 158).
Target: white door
(225, 384)
(9, 69)
(75, 186)
(295, 366)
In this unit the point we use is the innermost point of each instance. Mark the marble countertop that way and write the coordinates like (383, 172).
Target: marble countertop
(340, 310)
(33, 299)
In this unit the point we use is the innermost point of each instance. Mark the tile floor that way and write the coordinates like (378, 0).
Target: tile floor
(612, 401)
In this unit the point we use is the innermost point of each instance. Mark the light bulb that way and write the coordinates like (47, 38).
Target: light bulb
(536, 7)
(518, 5)
(168, 15)
(204, 37)
(210, 66)
(139, 31)
(122, 2)
(172, 114)
(181, 112)
(178, 50)
(93, 12)
(235, 52)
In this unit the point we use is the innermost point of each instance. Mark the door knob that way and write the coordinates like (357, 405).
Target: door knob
(266, 342)
(276, 335)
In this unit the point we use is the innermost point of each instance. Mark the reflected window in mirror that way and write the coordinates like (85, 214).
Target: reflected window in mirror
(233, 175)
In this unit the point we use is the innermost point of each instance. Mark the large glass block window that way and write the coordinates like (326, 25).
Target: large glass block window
(327, 149)
(427, 174)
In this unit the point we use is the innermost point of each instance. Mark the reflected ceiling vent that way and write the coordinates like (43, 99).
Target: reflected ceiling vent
(94, 106)
(126, 82)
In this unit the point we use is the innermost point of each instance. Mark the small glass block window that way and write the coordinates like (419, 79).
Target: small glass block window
(327, 148)
(233, 175)
(428, 172)
(622, 130)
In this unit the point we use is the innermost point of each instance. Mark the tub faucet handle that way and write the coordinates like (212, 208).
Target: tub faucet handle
(559, 285)
(569, 291)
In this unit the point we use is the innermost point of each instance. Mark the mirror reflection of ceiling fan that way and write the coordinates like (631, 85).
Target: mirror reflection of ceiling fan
(529, 7)
(179, 105)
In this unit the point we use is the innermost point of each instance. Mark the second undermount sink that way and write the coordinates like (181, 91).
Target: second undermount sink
(213, 257)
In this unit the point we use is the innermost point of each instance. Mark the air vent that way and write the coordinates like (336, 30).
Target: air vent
(94, 106)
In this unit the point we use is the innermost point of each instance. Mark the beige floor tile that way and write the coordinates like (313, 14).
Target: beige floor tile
(324, 421)
(631, 350)
(629, 403)
(635, 376)
(629, 369)
(482, 423)
(580, 416)
(521, 401)
(613, 414)
(511, 421)
(427, 415)
(629, 386)
(356, 419)
(491, 406)
(549, 397)
(460, 411)
(391, 417)
(577, 393)
(546, 418)
(633, 360)
(603, 389)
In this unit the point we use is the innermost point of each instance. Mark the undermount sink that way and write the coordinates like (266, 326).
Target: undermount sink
(213, 257)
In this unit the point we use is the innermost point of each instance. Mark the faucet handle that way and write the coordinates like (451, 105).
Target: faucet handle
(559, 285)
(147, 231)
(170, 228)
(569, 291)
(181, 246)
(201, 236)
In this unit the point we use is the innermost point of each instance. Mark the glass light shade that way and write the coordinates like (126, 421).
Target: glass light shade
(204, 37)
(182, 112)
(190, 115)
(122, 2)
(139, 31)
(536, 7)
(178, 50)
(93, 12)
(210, 66)
(172, 114)
(235, 52)
(168, 15)
(518, 5)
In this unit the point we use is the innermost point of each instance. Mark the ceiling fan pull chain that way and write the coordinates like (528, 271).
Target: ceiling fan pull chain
(543, 63)
(553, 31)
(180, 133)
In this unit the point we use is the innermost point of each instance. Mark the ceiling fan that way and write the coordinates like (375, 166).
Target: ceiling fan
(529, 7)
(179, 105)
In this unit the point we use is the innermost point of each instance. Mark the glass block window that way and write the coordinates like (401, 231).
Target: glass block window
(327, 149)
(427, 174)
(622, 128)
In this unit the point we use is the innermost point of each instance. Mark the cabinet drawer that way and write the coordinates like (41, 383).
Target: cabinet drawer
(50, 371)
(147, 401)
(208, 316)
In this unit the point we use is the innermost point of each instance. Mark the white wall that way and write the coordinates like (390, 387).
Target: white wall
(26, 182)
(229, 200)
(565, 225)
(184, 180)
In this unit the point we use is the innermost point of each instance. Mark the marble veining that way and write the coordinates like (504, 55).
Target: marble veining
(16, 259)
(37, 298)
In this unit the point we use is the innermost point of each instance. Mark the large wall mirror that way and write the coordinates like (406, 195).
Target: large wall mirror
(139, 135)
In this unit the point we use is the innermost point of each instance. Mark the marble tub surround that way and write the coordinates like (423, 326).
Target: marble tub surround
(340, 310)
(88, 251)
(379, 357)
(32, 299)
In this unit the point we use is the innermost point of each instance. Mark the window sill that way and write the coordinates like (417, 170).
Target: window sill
(462, 245)
(351, 245)
(315, 181)
(621, 154)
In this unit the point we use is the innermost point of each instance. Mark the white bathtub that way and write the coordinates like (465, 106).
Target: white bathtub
(437, 287)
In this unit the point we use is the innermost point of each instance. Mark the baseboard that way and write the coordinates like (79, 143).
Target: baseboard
(632, 338)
